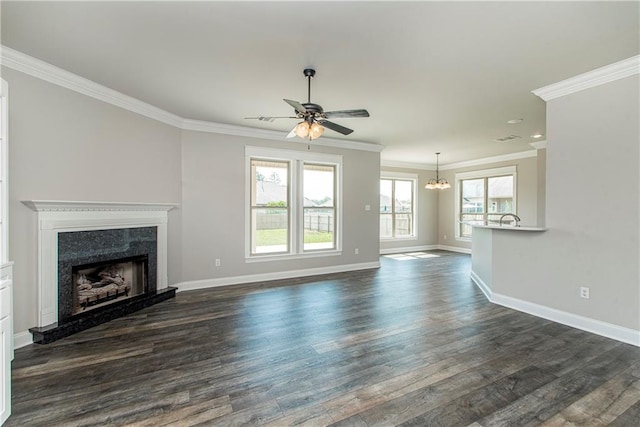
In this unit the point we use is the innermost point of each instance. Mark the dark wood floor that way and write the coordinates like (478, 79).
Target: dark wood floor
(413, 343)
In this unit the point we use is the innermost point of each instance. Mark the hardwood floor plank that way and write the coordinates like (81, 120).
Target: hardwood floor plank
(603, 405)
(629, 417)
(413, 342)
(484, 401)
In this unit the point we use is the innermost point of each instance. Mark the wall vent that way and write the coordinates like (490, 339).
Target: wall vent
(508, 138)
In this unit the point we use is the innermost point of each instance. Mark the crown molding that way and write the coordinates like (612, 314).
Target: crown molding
(37, 68)
(608, 73)
(489, 160)
(406, 165)
(225, 129)
(50, 73)
(539, 145)
(460, 165)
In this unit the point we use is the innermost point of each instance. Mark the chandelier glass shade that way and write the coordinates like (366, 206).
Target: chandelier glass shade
(437, 182)
(440, 184)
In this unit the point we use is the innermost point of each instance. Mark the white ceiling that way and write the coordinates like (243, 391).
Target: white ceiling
(435, 76)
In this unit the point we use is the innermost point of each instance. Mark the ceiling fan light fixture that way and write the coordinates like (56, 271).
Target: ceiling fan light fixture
(315, 131)
(302, 129)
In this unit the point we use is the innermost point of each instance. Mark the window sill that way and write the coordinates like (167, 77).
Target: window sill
(287, 257)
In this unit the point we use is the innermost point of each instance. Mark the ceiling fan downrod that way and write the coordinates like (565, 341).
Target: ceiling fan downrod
(309, 73)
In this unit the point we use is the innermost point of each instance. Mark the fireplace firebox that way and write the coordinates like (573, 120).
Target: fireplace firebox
(102, 283)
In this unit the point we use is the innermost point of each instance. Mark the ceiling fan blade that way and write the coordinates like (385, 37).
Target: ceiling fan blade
(296, 106)
(335, 127)
(270, 119)
(292, 134)
(346, 113)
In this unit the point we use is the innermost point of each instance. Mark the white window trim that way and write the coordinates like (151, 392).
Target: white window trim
(4, 173)
(295, 238)
(408, 176)
(485, 173)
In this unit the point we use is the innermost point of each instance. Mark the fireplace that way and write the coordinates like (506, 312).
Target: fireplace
(98, 284)
(83, 256)
(97, 261)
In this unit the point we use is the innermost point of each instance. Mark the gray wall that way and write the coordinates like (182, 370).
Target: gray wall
(593, 188)
(526, 194)
(213, 207)
(67, 146)
(426, 212)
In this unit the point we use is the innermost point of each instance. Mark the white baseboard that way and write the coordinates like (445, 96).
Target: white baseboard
(483, 286)
(598, 327)
(250, 278)
(408, 249)
(455, 249)
(22, 339)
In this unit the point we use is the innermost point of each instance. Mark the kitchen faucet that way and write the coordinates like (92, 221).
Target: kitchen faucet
(515, 217)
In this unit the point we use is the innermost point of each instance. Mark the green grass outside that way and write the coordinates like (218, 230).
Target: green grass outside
(279, 237)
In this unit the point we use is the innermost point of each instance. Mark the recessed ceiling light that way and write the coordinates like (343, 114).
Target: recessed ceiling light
(537, 135)
(514, 121)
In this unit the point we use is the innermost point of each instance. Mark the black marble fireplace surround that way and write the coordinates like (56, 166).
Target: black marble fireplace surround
(101, 246)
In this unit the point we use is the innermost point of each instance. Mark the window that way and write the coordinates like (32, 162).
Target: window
(270, 211)
(397, 207)
(293, 207)
(482, 197)
(319, 206)
(4, 134)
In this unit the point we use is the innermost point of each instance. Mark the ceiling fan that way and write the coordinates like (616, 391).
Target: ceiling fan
(314, 118)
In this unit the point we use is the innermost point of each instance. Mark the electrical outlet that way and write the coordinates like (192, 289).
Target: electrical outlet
(584, 292)
(356, 251)
(445, 237)
(217, 262)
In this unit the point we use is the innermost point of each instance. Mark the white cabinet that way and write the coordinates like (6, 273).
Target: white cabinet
(6, 339)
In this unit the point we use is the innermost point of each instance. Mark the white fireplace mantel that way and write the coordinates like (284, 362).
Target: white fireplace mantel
(55, 216)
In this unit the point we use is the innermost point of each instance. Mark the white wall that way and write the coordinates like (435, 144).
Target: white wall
(67, 146)
(592, 212)
(213, 206)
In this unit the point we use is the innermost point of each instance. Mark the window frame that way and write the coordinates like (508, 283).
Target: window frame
(484, 174)
(400, 176)
(297, 160)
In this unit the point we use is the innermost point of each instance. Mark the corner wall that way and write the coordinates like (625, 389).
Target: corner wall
(426, 214)
(526, 195)
(593, 164)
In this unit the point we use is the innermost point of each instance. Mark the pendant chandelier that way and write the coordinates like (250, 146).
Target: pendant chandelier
(439, 183)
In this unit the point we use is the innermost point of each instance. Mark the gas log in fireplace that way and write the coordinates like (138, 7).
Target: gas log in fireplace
(101, 283)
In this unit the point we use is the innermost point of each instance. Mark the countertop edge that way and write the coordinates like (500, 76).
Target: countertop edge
(510, 228)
